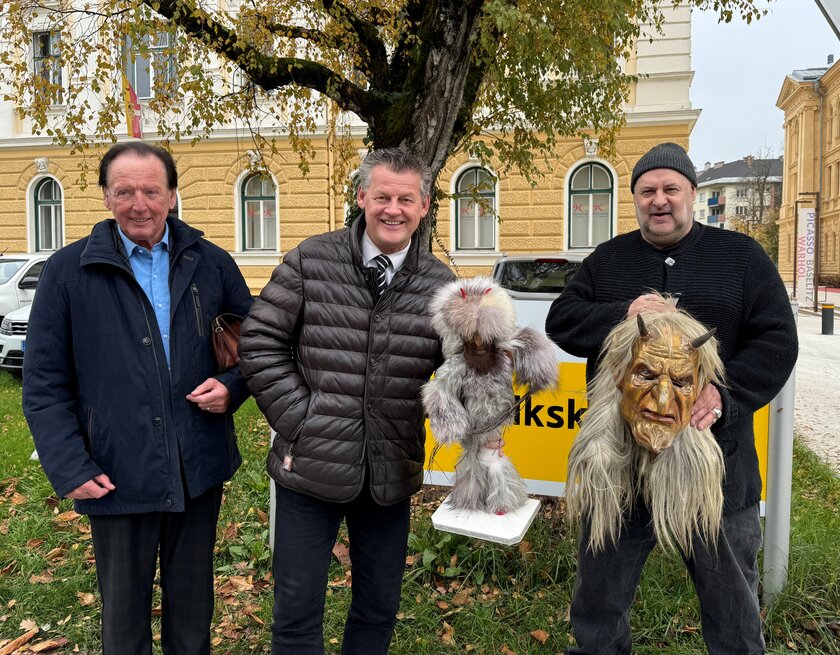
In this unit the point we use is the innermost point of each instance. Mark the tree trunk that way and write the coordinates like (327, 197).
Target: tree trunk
(424, 118)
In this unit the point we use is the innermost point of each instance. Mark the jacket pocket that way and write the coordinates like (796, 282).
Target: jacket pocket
(197, 304)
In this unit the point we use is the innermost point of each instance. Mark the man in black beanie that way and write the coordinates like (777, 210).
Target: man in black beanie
(726, 281)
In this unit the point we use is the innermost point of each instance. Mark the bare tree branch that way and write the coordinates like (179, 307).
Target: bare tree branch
(377, 58)
(268, 72)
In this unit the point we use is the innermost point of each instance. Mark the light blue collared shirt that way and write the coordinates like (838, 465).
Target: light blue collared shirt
(151, 270)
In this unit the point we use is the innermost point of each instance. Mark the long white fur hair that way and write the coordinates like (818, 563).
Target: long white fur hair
(682, 486)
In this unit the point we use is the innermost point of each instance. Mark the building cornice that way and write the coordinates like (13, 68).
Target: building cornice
(675, 117)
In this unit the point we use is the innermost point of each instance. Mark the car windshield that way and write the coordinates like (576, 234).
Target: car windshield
(8, 267)
(548, 275)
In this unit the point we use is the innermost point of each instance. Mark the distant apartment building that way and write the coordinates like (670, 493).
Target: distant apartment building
(582, 199)
(745, 191)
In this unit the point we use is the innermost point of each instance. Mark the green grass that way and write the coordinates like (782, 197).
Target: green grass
(459, 595)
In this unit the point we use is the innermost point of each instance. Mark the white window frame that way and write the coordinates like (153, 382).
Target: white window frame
(472, 256)
(268, 257)
(49, 70)
(32, 218)
(147, 70)
(568, 197)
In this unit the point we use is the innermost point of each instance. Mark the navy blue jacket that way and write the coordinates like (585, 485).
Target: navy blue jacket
(96, 391)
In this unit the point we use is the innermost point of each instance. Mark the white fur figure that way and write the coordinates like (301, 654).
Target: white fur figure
(470, 400)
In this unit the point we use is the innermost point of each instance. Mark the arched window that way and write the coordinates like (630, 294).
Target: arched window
(259, 213)
(590, 206)
(49, 229)
(475, 208)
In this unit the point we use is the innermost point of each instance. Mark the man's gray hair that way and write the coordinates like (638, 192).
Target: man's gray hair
(398, 161)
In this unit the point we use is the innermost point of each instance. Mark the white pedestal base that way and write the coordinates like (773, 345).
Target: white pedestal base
(503, 529)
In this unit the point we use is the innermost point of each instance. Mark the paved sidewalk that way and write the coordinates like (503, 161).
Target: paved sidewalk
(824, 295)
(817, 410)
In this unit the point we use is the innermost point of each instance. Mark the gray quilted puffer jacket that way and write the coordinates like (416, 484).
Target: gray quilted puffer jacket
(337, 372)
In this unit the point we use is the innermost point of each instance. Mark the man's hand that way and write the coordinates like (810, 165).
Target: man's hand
(211, 396)
(707, 408)
(96, 488)
(650, 302)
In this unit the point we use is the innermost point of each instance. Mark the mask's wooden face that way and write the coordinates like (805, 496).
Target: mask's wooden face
(659, 390)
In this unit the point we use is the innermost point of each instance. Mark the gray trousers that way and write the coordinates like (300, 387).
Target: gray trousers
(726, 584)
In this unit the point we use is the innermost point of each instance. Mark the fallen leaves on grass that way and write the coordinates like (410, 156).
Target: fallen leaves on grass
(236, 584)
(85, 598)
(41, 578)
(342, 553)
(540, 635)
(16, 644)
(66, 517)
(46, 646)
(447, 635)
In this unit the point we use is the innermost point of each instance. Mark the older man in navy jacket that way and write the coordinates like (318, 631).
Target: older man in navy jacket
(129, 415)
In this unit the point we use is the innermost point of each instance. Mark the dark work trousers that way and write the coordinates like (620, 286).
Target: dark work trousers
(304, 534)
(726, 584)
(126, 548)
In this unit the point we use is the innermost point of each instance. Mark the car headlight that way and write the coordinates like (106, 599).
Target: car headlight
(6, 326)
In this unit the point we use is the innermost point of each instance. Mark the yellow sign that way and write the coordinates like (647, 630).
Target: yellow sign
(539, 442)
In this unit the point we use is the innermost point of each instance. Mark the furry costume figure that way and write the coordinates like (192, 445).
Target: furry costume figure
(636, 437)
(470, 401)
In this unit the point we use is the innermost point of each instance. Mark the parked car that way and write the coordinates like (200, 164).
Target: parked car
(13, 339)
(18, 278)
(535, 280)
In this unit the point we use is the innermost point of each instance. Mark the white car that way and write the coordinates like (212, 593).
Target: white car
(534, 280)
(13, 339)
(18, 277)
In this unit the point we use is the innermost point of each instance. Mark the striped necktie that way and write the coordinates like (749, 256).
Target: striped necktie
(382, 264)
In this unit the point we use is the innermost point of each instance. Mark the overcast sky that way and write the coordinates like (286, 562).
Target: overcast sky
(739, 71)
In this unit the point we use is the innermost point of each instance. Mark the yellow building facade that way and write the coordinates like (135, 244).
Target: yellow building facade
(213, 177)
(810, 99)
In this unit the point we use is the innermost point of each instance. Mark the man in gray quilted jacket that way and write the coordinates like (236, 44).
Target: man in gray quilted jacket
(335, 351)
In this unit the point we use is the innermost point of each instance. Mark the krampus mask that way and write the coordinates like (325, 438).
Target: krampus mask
(636, 437)
(470, 401)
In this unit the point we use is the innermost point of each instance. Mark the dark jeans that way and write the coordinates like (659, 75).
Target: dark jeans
(126, 548)
(304, 534)
(726, 584)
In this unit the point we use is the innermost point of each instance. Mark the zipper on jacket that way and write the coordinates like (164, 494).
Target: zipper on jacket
(143, 303)
(289, 457)
(197, 304)
(90, 428)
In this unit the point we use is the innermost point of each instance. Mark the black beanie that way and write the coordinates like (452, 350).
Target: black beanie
(665, 155)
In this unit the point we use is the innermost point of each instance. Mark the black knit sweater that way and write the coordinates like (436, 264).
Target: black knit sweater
(725, 280)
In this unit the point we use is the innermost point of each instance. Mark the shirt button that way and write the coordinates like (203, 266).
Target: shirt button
(168, 502)
(157, 420)
(160, 306)
(147, 341)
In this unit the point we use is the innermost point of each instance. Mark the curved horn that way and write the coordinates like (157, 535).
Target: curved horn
(643, 331)
(703, 338)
